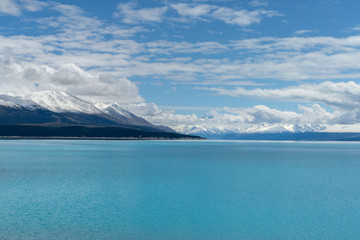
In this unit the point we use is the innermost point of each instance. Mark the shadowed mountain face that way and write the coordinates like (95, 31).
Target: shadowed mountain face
(58, 114)
(22, 115)
(60, 109)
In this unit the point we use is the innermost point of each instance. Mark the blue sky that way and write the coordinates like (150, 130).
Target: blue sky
(238, 61)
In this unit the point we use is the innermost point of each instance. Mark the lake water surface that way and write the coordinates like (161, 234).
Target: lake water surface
(53, 189)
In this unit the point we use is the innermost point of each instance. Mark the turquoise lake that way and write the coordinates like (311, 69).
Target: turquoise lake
(53, 189)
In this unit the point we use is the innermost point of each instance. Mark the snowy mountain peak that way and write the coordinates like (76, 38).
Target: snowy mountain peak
(114, 109)
(218, 131)
(58, 101)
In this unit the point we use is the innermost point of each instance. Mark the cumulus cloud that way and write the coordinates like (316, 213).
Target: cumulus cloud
(22, 77)
(155, 115)
(237, 119)
(342, 97)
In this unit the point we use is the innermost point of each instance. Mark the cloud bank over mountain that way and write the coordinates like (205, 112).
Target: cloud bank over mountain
(23, 77)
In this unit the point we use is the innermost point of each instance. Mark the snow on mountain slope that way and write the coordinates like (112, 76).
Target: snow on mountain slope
(6, 103)
(11, 100)
(58, 101)
(61, 102)
(343, 128)
(114, 109)
(220, 131)
(72, 109)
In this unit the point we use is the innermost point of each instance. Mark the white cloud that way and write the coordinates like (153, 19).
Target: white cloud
(236, 119)
(258, 118)
(194, 11)
(354, 29)
(21, 77)
(15, 8)
(241, 17)
(129, 14)
(84, 44)
(166, 47)
(296, 58)
(304, 31)
(270, 44)
(67, 10)
(230, 16)
(9, 7)
(258, 3)
(33, 5)
(338, 95)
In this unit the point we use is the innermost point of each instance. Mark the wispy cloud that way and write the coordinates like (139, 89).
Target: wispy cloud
(304, 31)
(257, 3)
(9, 7)
(338, 95)
(33, 5)
(354, 29)
(242, 17)
(130, 14)
(228, 15)
(84, 44)
(16, 7)
(194, 10)
(167, 47)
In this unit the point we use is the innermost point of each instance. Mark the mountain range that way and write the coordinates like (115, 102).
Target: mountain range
(49, 111)
(274, 131)
(60, 114)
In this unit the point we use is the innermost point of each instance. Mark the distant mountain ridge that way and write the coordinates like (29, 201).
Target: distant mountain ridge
(53, 112)
(278, 131)
(223, 132)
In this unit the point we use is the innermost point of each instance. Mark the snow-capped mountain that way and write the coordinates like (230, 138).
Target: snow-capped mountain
(116, 111)
(58, 101)
(56, 107)
(60, 108)
(220, 132)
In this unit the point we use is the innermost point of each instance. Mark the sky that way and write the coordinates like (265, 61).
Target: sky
(191, 62)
